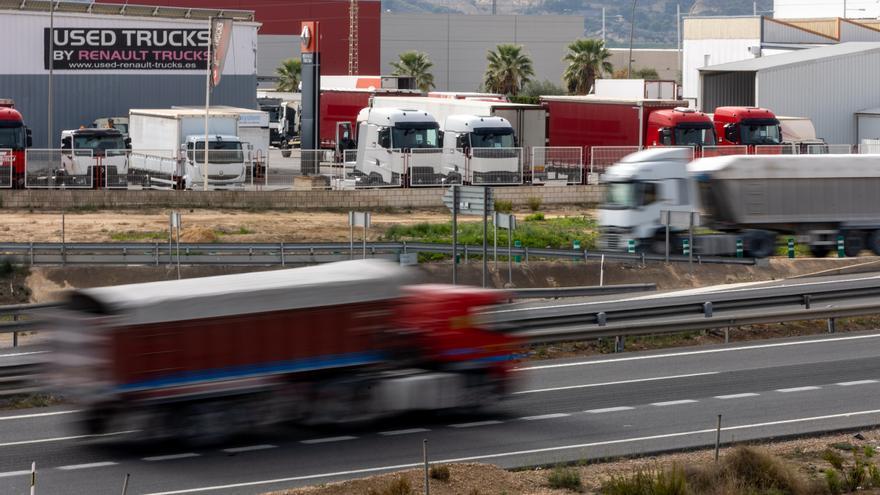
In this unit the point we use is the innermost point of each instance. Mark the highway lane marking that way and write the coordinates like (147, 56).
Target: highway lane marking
(249, 448)
(73, 467)
(857, 382)
(61, 439)
(621, 382)
(328, 439)
(9, 474)
(38, 415)
(170, 457)
(403, 432)
(476, 424)
(17, 354)
(673, 402)
(497, 455)
(609, 409)
(695, 353)
(545, 416)
(796, 389)
(737, 396)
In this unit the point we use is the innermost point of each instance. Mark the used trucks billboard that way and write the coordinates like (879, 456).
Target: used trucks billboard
(126, 49)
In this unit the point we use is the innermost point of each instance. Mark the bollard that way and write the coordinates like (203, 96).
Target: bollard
(686, 247)
(832, 325)
(739, 248)
(517, 258)
(125, 484)
(841, 252)
(619, 343)
(33, 478)
(631, 246)
(425, 455)
(807, 301)
(601, 318)
(15, 334)
(791, 247)
(718, 438)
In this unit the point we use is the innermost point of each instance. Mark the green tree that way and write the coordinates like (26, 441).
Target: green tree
(416, 65)
(647, 73)
(508, 71)
(587, 60)
(288, 75)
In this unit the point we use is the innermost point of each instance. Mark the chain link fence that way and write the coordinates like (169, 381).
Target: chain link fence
(557, 164)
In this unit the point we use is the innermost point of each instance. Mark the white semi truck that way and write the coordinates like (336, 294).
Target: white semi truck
(753, 199)
(92, 158)
(167, 147)
(386, 136)
(483, 149)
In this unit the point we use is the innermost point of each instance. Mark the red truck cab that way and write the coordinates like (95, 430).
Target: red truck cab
(15, 138)
(746, 126)
(679, 127)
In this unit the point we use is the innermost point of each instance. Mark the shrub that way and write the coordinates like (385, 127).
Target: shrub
(832, 479)
(503, 206)
(670, 482)
(535, 217)
(400, 486)
(440, 472)
(565, 478)
(534, 203)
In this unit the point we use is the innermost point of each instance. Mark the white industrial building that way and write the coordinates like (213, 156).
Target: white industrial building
(709, 41)
(828, 85)
(811, 9)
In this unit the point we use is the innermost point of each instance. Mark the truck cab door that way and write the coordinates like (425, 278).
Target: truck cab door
(731, 133)
(344, 138)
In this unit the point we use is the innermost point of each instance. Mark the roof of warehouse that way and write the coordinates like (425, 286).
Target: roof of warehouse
(127, 9)
(794, 58)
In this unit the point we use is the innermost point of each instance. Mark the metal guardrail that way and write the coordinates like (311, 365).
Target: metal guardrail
(156, 253)
(595, 290)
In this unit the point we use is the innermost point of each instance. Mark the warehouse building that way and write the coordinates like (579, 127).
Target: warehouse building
(111, 58)
(811, 9)
(829, 85)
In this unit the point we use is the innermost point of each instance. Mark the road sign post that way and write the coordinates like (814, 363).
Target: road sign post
(507, 222)
(517, 244)
(469, 200)
(791, 247)
(841, 251)
(454, 235)
(358, 219)
(739, 248)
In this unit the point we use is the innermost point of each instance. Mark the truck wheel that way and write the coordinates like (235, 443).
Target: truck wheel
(854, 243)
(762, 244)
(819, 251)
(874, 242)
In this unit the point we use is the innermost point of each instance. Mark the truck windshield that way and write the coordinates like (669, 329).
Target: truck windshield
(123, 128)
(220, 152)
(627, 195)
(12, 137)
(695, 135)
(273, 111)
(98, 143)
(411, 137)
(492, 138)
(760, 132)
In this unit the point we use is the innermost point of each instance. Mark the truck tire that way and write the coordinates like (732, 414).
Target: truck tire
(853, 243)
(819, 251)
(761, 244)
(874, 242)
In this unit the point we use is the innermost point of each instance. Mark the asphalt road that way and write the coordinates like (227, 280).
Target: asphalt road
(566, 410)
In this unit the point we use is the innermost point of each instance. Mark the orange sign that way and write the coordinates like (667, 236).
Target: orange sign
(309, 37)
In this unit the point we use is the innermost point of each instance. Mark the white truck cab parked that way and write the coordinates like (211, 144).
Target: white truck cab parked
(487, 145)
(92, 158)
(386, 135)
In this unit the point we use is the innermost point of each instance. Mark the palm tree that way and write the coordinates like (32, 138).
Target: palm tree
(508, 71)
(416, 65)
(288, 74)
(587, 60)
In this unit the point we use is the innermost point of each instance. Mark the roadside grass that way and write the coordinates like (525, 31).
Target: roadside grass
(535, 232)
(30, 401)
(134, 236)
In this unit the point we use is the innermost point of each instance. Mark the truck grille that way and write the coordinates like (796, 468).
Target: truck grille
(610, 242)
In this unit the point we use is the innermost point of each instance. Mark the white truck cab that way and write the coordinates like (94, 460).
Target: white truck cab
(486, 144)
(386, 135)
(93, 158)
(226, 162)
(638, 188)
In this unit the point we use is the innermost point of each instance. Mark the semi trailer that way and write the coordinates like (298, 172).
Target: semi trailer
(746, 200)
(207, 357)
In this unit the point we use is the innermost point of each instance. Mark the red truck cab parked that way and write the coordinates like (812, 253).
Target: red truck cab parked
(14, 139)
(680, 127)
(746, 126)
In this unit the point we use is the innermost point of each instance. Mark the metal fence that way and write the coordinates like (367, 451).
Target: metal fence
(495, 166)
(49, 169)
(428, 167)
(774, 149)
(557, 165)
(710, 151)
(7, 167)
(601, 157)
(829, 149)
(870, 148)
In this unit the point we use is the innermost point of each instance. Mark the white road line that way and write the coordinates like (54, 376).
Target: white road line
(476, 424)
(16, 354)
(609, 409)
(857, 382)
(709, 432)
(796, 389)
(673, 402)
(696, 353)
(249, 448)
(90, 465)
(545, 416)
(10, 474)
(61, 439)
(38, 415)
(737, 396)
(328, 440)
(622, 382)
(403, 432)
(170, 457)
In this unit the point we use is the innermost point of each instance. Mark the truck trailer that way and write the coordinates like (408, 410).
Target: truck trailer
(207, 357)
(168, 148)
(748, 200)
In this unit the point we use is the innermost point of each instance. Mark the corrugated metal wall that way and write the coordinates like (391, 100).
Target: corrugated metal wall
(79, 99)
(702, 53)
(727, 88)
(828, 91)
(783, 32)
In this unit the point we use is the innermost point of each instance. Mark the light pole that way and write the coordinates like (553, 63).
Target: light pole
(51, 66)
(632, 28)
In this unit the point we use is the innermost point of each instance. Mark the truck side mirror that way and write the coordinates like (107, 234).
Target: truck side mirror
(66, 143)
(666, 136)
(128, 143)
(29, 139)
(731, 133)
(385, 138)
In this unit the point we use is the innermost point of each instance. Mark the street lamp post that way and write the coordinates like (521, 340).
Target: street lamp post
(632, 28)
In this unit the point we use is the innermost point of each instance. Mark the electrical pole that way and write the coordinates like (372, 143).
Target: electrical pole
(678, 37)
(603, 25)
(632, 29)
